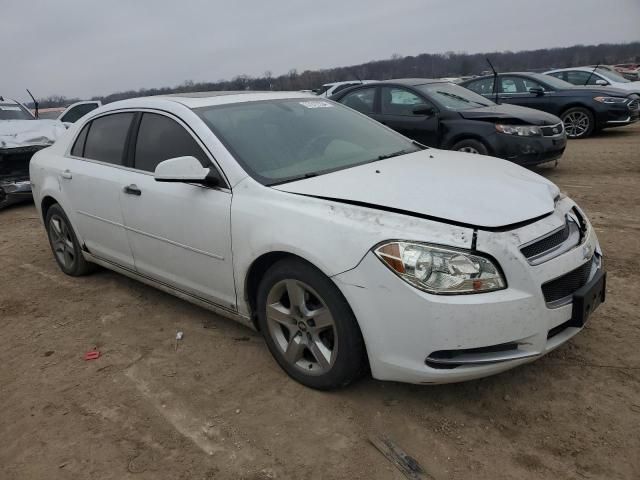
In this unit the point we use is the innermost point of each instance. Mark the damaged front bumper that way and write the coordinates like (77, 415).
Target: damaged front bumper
(15, 186)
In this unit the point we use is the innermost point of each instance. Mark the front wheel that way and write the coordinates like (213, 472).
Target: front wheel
(309, 326)
(578, 122)
(471, 146)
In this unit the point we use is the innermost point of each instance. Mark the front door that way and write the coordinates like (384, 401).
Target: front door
(179, 232)
(405, 112)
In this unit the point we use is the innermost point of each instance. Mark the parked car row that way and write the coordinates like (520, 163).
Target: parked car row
(445, 115)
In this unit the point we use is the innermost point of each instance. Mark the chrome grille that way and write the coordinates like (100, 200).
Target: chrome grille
(547, 243)
(555, 242)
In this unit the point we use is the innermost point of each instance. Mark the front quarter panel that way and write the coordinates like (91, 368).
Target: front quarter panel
(331, 235)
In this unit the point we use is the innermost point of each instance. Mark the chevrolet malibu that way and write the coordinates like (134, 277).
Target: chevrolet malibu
(350, 247)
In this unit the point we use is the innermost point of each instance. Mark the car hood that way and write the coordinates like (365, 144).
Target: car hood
(629, 87)
(27, 133)
(459, 188)
(510, 112)
(595, 91)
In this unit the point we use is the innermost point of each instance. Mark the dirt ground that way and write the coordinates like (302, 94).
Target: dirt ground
(219, 406)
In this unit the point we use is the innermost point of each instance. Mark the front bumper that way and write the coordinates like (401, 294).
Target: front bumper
(14, 191)
(528, 151)
(405, 329)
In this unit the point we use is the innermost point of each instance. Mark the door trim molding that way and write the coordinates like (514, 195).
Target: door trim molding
(162, 239)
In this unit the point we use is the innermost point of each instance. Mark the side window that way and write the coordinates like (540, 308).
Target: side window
(560, 75)
(512, 85)
(78, 147)
(483, 87)
(529, 84)
(161, 138)
(399, 101)
(360, 100)
(581, 78)
(77, 112)
(107, 137)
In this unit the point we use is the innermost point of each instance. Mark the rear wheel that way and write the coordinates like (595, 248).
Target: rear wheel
(471, 146)
(578, 122)
(309, 326)
(64, 244)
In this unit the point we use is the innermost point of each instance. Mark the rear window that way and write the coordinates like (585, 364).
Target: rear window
(14, 111)
(107, 137)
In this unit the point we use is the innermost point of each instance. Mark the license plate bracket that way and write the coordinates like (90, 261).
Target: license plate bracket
(588, 298)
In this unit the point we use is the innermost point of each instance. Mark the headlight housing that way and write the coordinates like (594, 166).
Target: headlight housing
(519, 130)
(441, 270)
(618, 100)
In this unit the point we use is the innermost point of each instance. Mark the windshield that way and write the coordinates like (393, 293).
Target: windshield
(14, 111)
(612, 76)
(454, 97)
(277, 141)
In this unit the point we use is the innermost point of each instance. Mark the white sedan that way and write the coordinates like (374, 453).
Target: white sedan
(347, 245)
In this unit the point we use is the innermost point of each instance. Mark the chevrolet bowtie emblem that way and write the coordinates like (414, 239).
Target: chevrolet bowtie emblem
(587, 252)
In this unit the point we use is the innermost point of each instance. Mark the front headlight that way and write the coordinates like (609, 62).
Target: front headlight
(519, 130)
(440, 270)
(619, 100)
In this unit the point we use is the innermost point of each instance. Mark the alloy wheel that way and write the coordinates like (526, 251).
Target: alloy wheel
(576, 124)
(62, 241)
(468, 150)
(302, 327)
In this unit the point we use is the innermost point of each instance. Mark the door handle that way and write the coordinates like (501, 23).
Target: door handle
(132, 190)
(66, 174)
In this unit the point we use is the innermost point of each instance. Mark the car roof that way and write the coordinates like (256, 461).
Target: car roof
(414, 82)
(205, 99)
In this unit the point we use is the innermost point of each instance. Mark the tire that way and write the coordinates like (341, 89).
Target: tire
(318, 342)
(578, 122)
(471, 146)
(64, 243)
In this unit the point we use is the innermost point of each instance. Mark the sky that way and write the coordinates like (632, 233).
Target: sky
(82, 48)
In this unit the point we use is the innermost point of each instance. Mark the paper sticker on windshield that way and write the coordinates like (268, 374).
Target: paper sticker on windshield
(10, 108)
(316, 104)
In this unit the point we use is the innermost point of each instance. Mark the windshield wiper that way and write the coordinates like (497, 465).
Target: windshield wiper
(394, 154)
(293, 179)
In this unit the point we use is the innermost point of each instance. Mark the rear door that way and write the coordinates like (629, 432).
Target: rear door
(397, 107)
(92, 180)
(180, 233)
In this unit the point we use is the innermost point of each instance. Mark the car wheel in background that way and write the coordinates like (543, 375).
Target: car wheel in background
(471, 146)
(578, 122)
(309, 326)
(64, 244)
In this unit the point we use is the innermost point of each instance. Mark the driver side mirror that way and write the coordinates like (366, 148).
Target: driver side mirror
(537, 91)
(424, 110)
(602, 82)
(186, 170)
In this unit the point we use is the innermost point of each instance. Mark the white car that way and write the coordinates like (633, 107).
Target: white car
(595, 76)
(346, 244)
(329, 89)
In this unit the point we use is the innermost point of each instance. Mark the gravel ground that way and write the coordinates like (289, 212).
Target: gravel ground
(219, 406)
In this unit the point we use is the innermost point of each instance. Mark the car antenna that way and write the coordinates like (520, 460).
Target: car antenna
(586, 82)
(495, 80)
(356, 75)
(35, 104)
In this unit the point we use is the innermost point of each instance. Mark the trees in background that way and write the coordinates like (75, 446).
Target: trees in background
(449, 64)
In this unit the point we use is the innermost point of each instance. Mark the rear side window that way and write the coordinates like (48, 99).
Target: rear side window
(161, 138)
(78, 147)
(483, 87)
(106, 139)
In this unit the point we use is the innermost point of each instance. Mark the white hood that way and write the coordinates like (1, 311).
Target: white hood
(26, 133)
(458, 187)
